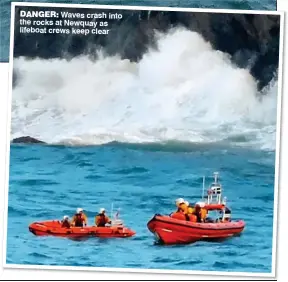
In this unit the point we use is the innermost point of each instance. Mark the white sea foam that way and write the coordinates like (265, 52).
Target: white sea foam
(185, 90)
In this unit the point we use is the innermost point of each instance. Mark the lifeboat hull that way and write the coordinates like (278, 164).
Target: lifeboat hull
(168, 230)
(53, 228)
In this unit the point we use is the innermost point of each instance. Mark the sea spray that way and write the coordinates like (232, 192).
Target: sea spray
(183, 90)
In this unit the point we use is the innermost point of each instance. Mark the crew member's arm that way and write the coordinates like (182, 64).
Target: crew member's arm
(85, 219)
(108, 220)
(96, 220)
(73, 221)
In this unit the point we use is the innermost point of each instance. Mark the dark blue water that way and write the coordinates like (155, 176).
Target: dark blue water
(223, 4)
(47, 182)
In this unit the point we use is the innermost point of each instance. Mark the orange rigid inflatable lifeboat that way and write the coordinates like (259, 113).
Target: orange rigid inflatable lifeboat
(53, 228)
(168, 230)
(176, 230)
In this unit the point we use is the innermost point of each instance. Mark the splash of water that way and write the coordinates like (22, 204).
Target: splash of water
(184, 91)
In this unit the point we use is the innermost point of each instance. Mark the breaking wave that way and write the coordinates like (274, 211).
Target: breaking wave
(184, 91)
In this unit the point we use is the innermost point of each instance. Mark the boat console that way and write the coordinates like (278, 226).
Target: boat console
(214, 197)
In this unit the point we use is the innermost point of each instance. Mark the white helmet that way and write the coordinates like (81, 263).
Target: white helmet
(102, 210)
(186, 203)
(79, 210)
(200, 204)
(65, 217)
(179, 201)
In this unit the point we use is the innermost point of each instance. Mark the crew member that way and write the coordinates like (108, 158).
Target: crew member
(190, 212)
(227, 215)
(182, 207)
(79, 219)
(101, 219)
(190, 209)
(200, 212)
(65, 222)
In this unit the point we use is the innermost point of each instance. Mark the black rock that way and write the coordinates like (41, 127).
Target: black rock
(251, 40)
(27, 140)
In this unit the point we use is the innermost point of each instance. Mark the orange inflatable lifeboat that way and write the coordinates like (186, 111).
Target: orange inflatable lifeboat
(53, 228)
(177, 229)
(168, 230)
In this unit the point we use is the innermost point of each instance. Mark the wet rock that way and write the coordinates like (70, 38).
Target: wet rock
(251, 40)
(27, 140)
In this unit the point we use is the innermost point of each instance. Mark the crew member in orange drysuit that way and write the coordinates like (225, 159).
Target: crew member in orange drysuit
(79, 219)
(65, 222)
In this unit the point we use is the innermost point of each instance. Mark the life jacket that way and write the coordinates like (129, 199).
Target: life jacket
(192, 217)
(65, 224)
(190, 210)
(78, 220)
(200, 214)
(203, 213)
(101, 220)
(183, 208)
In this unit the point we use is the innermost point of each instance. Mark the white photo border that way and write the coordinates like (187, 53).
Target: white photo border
(277, 151)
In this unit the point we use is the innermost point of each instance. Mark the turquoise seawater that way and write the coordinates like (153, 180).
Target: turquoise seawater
(47, 182)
